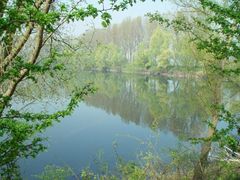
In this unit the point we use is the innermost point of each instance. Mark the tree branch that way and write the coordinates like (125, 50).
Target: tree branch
(7, 60)
(39, 40)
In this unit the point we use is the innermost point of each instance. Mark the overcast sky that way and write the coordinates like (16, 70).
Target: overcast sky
(139, 9)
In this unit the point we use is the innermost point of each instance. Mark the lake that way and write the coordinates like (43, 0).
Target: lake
(127, 115)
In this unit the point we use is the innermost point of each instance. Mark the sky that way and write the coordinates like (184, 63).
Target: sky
(139, 9)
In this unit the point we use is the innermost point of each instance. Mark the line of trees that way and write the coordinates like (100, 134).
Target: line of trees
(136, 45)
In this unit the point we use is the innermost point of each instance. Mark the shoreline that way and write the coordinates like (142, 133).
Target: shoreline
(176, 74)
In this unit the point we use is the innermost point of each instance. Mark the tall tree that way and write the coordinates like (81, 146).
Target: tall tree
(214, 27)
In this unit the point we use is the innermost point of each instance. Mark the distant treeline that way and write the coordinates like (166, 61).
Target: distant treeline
(136, 45)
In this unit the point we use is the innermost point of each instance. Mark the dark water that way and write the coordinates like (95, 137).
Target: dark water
(127, 115)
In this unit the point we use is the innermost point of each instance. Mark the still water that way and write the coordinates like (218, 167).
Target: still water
(127, 115)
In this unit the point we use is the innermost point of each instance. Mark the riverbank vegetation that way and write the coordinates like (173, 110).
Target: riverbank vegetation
(149, 166)
(137, 46)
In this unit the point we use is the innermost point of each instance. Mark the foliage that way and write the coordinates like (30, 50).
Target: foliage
(159, 48)
(18, 132)
(216, 32)
(156, 54)
(223, 170)
(224, 136)
(136, 46)
(142, 57)
(149, 166)
(52, 172)
(108, 57)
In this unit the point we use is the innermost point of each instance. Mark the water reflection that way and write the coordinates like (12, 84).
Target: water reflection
(123, 105)
(159, 103)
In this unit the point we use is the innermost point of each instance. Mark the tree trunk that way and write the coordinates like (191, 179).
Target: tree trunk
(34, 56)
(199, 168)
(205, 149)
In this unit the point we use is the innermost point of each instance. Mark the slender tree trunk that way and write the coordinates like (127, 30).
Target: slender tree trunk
(3, 4)
(205, 149)
(206, 146)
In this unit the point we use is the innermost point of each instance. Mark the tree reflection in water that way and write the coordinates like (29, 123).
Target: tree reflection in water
(160, 103)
